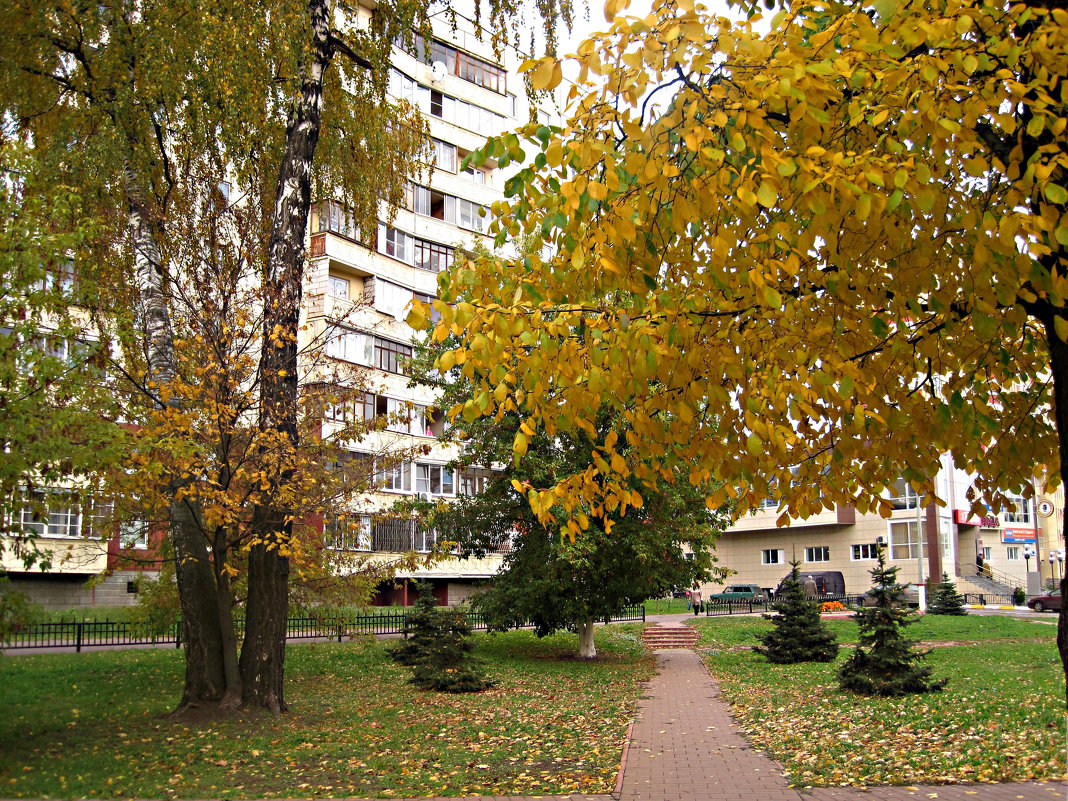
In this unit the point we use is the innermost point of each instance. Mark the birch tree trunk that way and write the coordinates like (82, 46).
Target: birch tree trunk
(205, 678)
(263, 651)
(587, 650)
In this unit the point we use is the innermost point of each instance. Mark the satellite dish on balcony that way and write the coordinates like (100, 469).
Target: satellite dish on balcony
(438, 70)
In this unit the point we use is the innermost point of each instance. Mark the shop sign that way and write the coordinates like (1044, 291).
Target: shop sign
(1018, 535)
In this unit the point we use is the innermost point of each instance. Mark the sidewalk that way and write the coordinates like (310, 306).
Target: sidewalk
(684, 745)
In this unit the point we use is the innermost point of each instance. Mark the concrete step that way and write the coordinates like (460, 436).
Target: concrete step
(669, 637)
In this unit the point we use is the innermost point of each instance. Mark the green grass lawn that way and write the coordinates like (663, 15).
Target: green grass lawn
(666, 606)
(1001, 717)
(95, 724)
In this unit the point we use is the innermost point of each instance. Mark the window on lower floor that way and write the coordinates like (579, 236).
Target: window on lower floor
(348, 533)
(864, 552)
(1012, 553)
(820, 553)
(772, 556)
(134, 534)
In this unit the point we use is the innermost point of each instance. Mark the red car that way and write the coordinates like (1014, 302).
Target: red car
(1040, 603)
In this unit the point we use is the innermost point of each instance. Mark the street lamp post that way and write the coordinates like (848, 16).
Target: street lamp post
(1060, 564)
(1052, 562)
(1028, 552)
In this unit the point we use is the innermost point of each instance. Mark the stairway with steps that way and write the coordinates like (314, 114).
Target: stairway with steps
(657, 636)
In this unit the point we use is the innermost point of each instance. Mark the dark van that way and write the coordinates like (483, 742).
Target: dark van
(828, 582)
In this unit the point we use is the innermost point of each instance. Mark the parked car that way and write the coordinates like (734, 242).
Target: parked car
(828, 582)
(1040, 603)
(909, 596)
(740, 592)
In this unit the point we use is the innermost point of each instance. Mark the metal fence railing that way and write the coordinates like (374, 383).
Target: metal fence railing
(88, 634)
(720, 608)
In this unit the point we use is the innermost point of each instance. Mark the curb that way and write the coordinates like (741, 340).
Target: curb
(623, 762)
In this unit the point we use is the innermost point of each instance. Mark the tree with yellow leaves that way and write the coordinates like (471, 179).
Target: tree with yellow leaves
(804, 261)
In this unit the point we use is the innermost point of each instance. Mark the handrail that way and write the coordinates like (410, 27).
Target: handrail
(1004, 579)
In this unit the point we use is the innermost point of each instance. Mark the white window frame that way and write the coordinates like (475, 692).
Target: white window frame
(339, 288)
(772, 556)
(1017, 511)
(823, 552)
(903, 543)
(1013, 553)
(62, 518)
(427, 476)
(351, 346)
(396, 478)
(133, 534)
(903, 496)
(445, 156)
(857, 551)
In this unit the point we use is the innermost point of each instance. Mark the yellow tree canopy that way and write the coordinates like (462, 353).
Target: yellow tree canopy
(806, 261)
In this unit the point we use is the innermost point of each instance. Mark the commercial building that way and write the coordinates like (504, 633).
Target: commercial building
(920, 539)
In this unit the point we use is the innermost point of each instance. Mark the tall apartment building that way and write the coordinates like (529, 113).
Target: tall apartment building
(843, 539)
(360, 285)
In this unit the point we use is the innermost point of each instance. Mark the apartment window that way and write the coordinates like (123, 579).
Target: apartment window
(988, 553)
(337, 220)
(471, 68)
(50, 514)
(435, 315)
(392, 299)
(474, 480)
(405, 418)
(339, 288)
(772, 556)
(903, 496)
(1012, 553)
(474, 174)
(1018, 510)
(906, 541)
(348, 533)
(470, 215)
(397, 244)
(431, 256)
(351, 346)
(391, 356)
(820, 553)
(435, 479)
(396, 477)
(864, 552)
(133, 534)
(365, 406)
(337, 412)
(444, 156)
(769, 503)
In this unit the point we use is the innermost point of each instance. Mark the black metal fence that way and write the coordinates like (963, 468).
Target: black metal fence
(714, 608)
(720, 608)
(88, 634)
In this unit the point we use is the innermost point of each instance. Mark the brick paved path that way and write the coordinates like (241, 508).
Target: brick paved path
(684, 745)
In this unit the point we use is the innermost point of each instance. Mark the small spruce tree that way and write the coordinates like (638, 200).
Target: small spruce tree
(799, 633)
(885, 661)
(437, 648)
(947, 601)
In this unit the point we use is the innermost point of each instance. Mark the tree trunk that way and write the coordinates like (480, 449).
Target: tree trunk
(1058, 353)
(1058, 357)
(205, 679)
(225, 611)
(263, 652)
(587, 650)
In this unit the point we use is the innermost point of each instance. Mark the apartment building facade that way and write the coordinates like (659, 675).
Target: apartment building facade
(359, 287)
